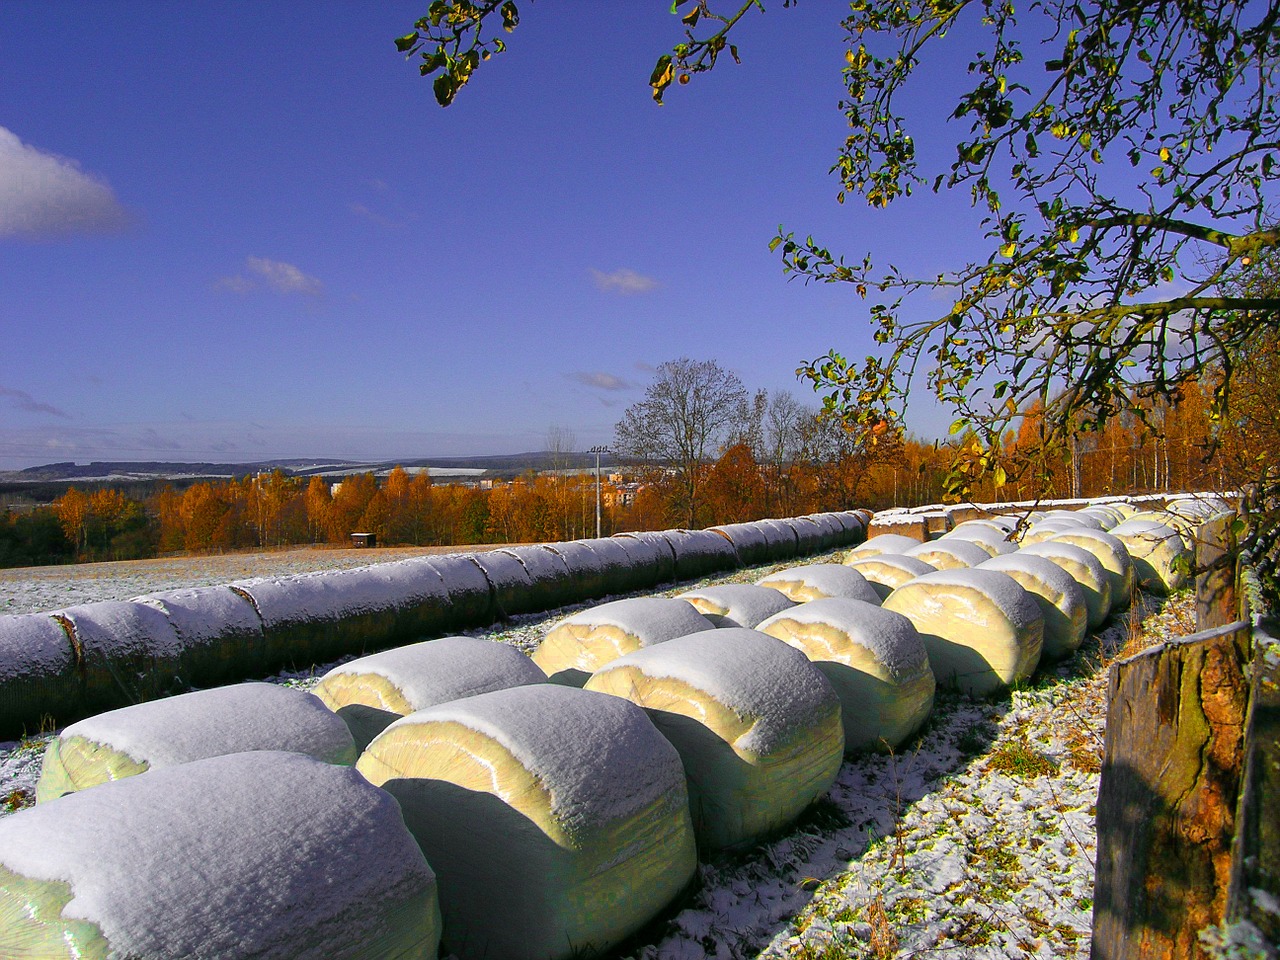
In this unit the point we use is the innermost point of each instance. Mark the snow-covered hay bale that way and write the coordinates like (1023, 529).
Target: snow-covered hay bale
(1080, 518)
(470, 594)
(810, 536)
(894, 543)
(126, 651)
(220, 630)
(886, 572)
(38, 675)
(852, 525)
(655, 548)
(586, 569)
(552, 585)
(782, 539)
(949, 554)
(318, 617)
(983, 631)
(991, 539)
(899, 523)
(621, 575)
(1162, 560)
(750, 542)
(556, 819)
(756, 725)
(580, 644)
(512, 586)
(875, 660)
(814, 581)
(700, 552)
(1105, 514)
(737, 604)
(1066, 617)
(191, 726)
(373, 692)
(830, 529)
(1087, 571)
(252, 856)
(1114, 557)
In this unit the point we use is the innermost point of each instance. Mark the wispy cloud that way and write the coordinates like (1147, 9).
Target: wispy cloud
(45, 196)
(360, 210)
(623, 281)
(261, 273)
(29, 404)
(599, 380)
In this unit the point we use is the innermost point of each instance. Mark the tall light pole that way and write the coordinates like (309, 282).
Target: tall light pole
(597, 451)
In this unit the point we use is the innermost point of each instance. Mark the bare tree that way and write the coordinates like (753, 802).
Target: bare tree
(686, 414)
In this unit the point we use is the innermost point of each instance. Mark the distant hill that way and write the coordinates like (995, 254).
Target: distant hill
(135, 471)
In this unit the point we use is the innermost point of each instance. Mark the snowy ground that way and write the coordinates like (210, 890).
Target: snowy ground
(977, 840)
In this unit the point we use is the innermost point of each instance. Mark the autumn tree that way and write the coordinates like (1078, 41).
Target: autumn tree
(734, 490)
(689, 410)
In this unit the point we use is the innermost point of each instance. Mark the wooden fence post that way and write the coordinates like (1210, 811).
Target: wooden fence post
(1167, 797)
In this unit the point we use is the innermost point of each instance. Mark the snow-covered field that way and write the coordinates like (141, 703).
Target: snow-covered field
(975, 840)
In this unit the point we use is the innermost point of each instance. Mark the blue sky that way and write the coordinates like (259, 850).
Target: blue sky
(238, 231)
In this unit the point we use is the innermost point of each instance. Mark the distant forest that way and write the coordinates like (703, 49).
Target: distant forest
(275, 510)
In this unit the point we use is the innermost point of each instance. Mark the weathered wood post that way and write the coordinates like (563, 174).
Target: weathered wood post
(1167, 798)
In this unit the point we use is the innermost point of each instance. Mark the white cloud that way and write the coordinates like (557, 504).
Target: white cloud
(45, 196)
(624, 281)
(599, 380)
(273, 275)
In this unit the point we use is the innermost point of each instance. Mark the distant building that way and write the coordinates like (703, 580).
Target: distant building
(364, 539)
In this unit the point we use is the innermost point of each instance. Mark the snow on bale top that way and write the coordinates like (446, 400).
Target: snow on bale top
(512, 586)
(1162, 559)
(1079, 517)
(895, 646)
(885, 543)
(1087, 570)
(37, 672)
(888, 571)
(553, 585)
(876, 662)
(816, 580)
(127, 651)
(191, 726)
(598, 758)
(1112, 554)
(1062, 604)
(983, 631)
(580, 643)
(653, 551)
(221, 632)
(737, 604)
(948, 554)
(218, 858)
(470, 592)
(374, 691)
(991, 539)
(1198, 506)
(750, 542)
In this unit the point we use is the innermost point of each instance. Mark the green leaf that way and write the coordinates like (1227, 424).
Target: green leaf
(957, 426)
(407, 42)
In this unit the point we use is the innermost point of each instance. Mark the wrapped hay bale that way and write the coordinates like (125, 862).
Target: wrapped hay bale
(1087, 571)
(756, 725)
(894, 543)
(220, 630)
(875, 660)
(556, 819)
(1162, 560)
(655, 551)
(1081, 518)
(192, 726)
(991, 539)
(586, 569)
(621, 575)
(830, 530)
(1106, 515)
(886, 572)
(375, 691)
(700, 552)
(38, 676)
(983, 631)
(252, 856)
(1066, 617)
(782, 539)
(810, 537)
(816, 580)
(1114, 557)
(318, 617)
(952, 554)
(126, 652)
(579, 644)
(737, 604)
(749, 540)
(551, 583)
(511, 584)
(855, 528)
(471, 601)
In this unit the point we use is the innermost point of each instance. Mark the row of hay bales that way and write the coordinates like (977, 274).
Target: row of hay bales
(58, 666)
(544, 807)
